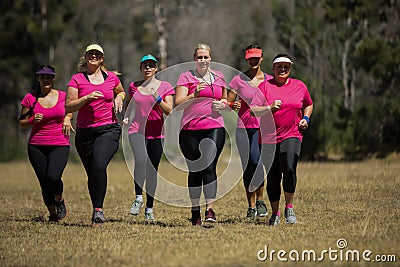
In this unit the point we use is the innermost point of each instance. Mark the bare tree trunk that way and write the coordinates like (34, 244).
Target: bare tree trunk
(43, 13)
(345, 76)
(352, 89)
(161, 20)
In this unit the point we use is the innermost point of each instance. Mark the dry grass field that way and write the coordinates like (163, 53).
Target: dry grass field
(357, 201)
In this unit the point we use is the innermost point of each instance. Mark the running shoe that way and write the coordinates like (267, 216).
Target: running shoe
(136, 206)
(290, 216)
(61, 210)
(196, 218)
(149, 216)
(251, 214)
(210, 216)
(53, 218)
(274, 220)
(261, 208)
(98, 217)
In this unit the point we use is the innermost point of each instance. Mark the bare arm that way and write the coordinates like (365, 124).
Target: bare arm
(259, 111)
(166, 104)
(73, 103)
(26, 122)
(182, 96)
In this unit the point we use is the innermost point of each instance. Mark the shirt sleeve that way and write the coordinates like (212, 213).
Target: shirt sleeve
(27, 101)
(183, 80)
(259, 98)
(132, 89)
(168, 89)
(73, 82)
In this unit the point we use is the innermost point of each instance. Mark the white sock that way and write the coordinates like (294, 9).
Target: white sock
(149, 210)
(139, 198)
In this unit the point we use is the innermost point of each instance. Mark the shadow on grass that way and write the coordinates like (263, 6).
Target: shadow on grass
(157, 223)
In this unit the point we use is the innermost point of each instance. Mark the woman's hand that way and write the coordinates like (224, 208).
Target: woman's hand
(218, 105)
(125, 120)
(94, 95)
(303, 124)
(237, 105)
(38, 117)
(67, 126)
(276, 105)
(201, 86)
(118, 103)
(154, 92)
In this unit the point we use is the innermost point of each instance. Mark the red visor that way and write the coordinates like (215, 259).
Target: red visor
(253, 52)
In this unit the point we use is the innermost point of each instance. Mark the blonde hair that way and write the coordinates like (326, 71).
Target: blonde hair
(202, 46)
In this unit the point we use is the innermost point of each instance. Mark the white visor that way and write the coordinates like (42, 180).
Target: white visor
(282, 59)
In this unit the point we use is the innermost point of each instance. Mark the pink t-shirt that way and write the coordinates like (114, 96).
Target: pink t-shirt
(48, 132)
(245, 91)
(148, 114)
(199, 114)
(100, 111)
(295, 97)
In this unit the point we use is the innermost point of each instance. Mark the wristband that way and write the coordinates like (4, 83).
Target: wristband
(158, 99)
(306, 118)
(31, 119)
(122, 95)
(223, 102)
(231, 104)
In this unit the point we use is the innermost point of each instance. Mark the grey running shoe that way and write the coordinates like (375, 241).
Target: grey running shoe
(149, 216)
(290, 216)
(98, 218)
(251, 214)
(274, 220)
(136, 206)
(196, 218)
(61, 209)
(261, 208)
(210, 216)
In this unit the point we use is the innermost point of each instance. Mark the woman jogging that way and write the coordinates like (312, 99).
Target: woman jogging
(152, 99)
(97, 95)
(202, 134)
(290, 103)
(243, 87)
(48, 144)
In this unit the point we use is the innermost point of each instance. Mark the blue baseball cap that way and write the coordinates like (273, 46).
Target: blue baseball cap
(148, 57)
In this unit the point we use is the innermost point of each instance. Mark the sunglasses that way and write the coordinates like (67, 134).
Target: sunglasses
(149, 65)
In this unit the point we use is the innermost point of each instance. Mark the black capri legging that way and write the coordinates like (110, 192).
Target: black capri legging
(49, 163)
(96, 147)
(284, 164)
(147, 154)
(202, 149)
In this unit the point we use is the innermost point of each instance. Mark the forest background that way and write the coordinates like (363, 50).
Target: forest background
(347, 52)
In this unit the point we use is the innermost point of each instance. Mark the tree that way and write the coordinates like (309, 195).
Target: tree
(29, 32)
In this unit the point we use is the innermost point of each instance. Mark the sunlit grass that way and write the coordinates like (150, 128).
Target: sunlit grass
(357, 201)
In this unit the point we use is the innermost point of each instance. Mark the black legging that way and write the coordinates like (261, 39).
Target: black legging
(202, 165)
(284, 164)
(96, 146)
(49, 163)
(249, 151)
(147, 154)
